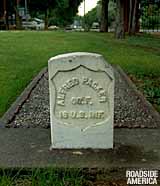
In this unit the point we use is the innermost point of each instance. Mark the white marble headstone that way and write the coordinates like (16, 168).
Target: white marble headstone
(81, 101)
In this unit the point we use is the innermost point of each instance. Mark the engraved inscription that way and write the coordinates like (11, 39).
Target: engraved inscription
(82, 97)
(86, 100)
(81, 115)
(95, 86)
(62, 91)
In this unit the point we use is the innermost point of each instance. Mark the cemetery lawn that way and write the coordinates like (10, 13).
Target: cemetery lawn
(24, 53)
(56, 177)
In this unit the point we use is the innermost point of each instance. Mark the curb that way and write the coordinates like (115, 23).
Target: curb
(15, 107)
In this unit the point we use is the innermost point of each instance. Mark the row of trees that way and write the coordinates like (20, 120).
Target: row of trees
(127, 19)
(127, 15)
(103, 13)
(62, 9)
(125, 12)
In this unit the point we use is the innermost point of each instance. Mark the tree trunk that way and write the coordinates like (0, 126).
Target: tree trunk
(46, 19)
(126, 15)
(18, 19)
(133, 30)
(130, 16)
(104, 16)
(5, 14)
(137, 18)
(6, 21)
(119, 30)
(134, 19)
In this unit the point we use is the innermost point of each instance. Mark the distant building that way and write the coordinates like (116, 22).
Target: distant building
(8, 14)
(3, 14)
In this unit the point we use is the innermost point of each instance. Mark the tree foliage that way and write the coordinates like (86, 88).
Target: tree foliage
(91, 17)
(150, 14)
(42, 6)
(65, 12)
(59, 12)
(95, 14)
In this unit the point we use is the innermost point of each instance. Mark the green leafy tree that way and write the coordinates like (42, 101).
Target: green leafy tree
(95, 15)
(65, 12)
(90, 17)
(59, 12)
(150, 16)
(44, 6)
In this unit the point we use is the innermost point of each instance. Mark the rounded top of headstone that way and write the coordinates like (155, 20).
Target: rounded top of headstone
(75, 55)
(70, 61)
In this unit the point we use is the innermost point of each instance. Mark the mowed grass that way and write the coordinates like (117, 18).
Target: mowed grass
(41, 177)
(62, 177)
(57, 177)
(23, 54)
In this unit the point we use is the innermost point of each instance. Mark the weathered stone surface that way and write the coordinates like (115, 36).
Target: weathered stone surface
(81, 101)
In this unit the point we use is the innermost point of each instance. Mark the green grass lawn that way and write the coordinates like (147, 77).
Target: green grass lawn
(41, 177)
(57, 177)
(62, 177)
(23, 54)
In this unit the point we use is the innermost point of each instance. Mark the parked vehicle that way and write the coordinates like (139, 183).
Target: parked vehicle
(53, 27)
(95, 27)
(35, 24)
